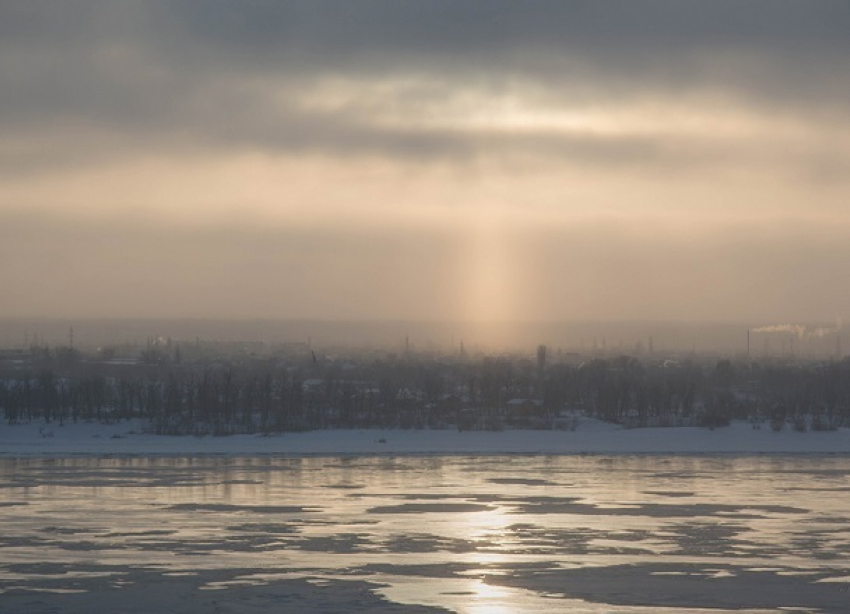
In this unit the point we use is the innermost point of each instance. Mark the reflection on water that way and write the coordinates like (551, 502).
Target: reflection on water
(468, 534)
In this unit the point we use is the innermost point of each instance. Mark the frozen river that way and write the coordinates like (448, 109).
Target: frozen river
(492, 534)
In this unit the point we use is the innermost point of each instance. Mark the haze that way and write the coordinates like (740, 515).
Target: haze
(477, 161)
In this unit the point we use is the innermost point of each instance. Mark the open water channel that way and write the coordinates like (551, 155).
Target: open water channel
(631, 534)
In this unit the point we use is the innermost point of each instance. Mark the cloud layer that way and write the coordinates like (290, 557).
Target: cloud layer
(487, 160)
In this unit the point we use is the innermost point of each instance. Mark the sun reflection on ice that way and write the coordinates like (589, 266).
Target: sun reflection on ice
(490, 599)
(490, 530)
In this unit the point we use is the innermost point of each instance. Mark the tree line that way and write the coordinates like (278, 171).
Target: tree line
(264, 395)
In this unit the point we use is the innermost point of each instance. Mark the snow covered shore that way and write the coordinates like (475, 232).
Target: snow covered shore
(591, 437)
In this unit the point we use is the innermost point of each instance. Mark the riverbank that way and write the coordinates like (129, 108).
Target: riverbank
(591, 437)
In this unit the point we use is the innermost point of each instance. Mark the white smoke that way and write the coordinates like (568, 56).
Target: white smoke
(821, 332)
(794, 329)
(801, 331)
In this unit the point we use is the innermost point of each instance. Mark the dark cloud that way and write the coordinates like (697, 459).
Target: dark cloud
(735, 110)
(215, 71)
(475, 29)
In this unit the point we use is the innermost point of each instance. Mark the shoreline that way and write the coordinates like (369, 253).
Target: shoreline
(592, 437)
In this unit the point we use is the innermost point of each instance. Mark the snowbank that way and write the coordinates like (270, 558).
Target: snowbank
(591, 437)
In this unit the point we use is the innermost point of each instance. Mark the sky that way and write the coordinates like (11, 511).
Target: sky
(480, 160)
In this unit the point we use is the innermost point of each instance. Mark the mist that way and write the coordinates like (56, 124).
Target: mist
(485, 163)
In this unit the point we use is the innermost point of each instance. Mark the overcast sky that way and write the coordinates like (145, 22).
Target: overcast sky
(476, 160)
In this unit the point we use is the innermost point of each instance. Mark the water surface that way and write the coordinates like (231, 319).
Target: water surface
(463, 534)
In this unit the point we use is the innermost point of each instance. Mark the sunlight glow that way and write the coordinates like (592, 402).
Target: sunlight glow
(489, 599)
(420, 102)
(484, 200)
(491, 281)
